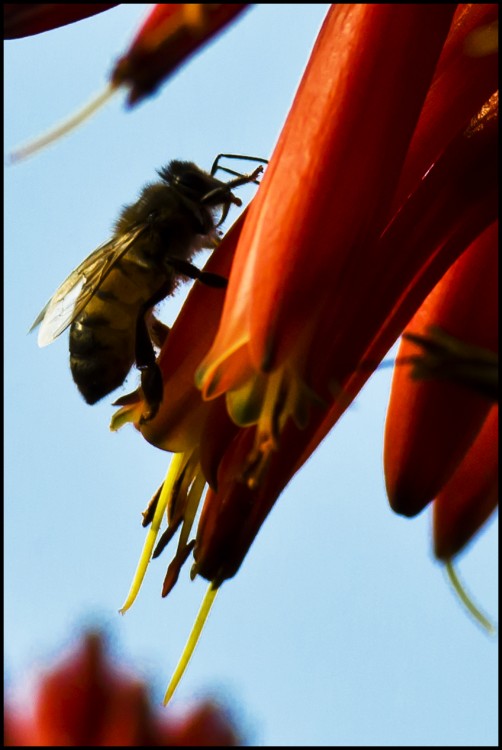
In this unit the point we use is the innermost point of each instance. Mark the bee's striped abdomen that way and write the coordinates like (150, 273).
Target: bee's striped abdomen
(102, 337)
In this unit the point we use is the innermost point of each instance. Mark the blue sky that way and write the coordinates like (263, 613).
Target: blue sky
(340, 628)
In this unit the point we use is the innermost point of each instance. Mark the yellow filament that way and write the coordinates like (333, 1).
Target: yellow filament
(466, 601)
(175, 467)
(52, 135)
(193, 638)
(269, 427)
(193, 501)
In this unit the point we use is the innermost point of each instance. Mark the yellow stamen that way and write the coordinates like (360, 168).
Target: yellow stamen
(57, 132)
(257, 464)
(466, 600)
(175, 467)
(273, 415)
(193, 638)
(194, 496)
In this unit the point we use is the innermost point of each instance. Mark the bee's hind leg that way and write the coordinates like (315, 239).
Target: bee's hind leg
(157, 330)
(151, 376)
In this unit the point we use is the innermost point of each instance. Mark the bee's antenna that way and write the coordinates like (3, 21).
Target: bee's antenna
(216, 165)
(236, 174)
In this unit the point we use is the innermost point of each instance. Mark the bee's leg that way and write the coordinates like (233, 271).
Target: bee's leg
(151, 377)
(158, 331)
(188, 269)
(223, 193)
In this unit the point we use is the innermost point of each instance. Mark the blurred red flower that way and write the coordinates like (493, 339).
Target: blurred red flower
(87, 701)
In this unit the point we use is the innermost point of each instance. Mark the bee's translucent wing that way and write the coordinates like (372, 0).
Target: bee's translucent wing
(75, 292)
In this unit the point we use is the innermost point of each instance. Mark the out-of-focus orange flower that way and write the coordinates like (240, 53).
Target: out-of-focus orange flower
(86, 701)
(171, 33)
(26, 19)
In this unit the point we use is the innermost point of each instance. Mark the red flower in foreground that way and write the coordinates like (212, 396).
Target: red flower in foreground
(384, 173)
(86, 701)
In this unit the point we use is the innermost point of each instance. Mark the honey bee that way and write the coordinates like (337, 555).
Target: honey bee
(108, 300)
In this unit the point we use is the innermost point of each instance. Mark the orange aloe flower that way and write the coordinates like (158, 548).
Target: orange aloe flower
(87, 701)
(439, 429)
(375, 188)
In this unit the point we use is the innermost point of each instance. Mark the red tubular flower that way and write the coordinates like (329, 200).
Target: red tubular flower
(86, 701)
(431, 423)
(26, 19)
(170, 34)
(471, 494)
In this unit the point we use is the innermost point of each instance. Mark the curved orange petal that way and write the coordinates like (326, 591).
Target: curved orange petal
(431, 424)
(471, 494)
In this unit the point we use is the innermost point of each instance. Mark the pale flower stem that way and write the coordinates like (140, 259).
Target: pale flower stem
(193, 638)
(58, 131)
(466, 601)
(176, 465)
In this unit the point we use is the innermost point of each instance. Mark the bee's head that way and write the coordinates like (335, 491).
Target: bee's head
(196, 185)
